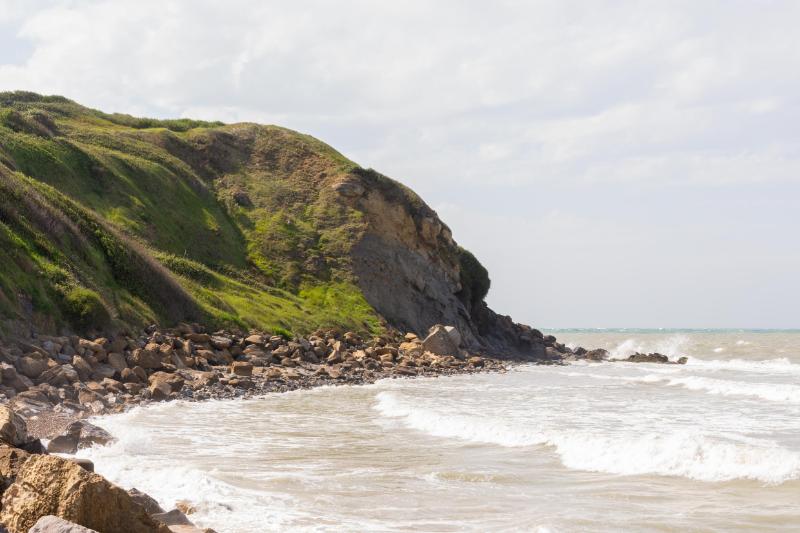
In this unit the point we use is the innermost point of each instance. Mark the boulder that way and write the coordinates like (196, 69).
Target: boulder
(79, 434)
(335, 357)
(598, 354)
(441, 341)
(145, 500)
(242, 368)
(13, 430)
(103, 371)
(255, 339)
(411, 348)
(82, 367)
(221, 343)
(159, 391)
(31, 367)
(49, 485)
(54, 524)
(117, 361)
(647, 358)
(475, 361)
(129, 376)
(174, 517)
(173, 381)
(146, 357)
(58, 376)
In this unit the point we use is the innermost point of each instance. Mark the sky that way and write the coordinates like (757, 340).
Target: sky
(613, 164)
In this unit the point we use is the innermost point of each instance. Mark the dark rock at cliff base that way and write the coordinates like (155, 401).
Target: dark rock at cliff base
(54, 524)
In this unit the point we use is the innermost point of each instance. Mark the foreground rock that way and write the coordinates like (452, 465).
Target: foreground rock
(49, 485)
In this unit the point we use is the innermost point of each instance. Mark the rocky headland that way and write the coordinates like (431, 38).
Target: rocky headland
(269, 261)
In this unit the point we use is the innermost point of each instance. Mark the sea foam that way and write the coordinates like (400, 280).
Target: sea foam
(674, 453)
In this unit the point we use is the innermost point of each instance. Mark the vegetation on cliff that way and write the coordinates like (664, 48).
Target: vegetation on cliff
(111, 221)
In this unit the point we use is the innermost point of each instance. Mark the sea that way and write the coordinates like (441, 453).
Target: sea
(712, 445)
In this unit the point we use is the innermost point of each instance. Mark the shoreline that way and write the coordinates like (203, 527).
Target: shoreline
(52, 385)
(56, 383)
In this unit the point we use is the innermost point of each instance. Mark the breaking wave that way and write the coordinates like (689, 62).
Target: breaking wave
(688, 454)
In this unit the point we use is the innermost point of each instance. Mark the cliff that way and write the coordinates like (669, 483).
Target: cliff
(110, 222)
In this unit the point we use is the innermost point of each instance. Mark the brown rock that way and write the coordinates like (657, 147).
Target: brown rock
(145, 500)
(159, 391)
(117, 361)
(647, 358)
(199, 338)
(129, 376)
(13, 430)
(221, 343)
(255, 339)
(59, 375)
(149, 357)
(335, 357)
(49, 485)
(441, 341)
(174, 381)
(103, 371)
(174, 517)
(242, 368)
(11, 460)
(82, 367)
(185, 507)
(31, 367)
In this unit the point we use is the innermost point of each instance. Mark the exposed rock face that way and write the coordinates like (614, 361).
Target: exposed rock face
(48, 485)
(408, 268)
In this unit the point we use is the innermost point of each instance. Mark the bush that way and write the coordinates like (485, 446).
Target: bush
(85, 309)
(475, 280)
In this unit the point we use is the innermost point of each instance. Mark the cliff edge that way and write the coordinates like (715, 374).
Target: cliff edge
(111, 222)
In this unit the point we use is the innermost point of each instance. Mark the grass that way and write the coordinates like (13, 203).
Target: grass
(112, 220)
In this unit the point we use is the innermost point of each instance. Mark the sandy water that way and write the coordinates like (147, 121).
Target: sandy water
(710, 446)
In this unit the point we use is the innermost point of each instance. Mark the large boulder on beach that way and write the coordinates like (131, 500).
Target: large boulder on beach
(49, 485)
(443, 340)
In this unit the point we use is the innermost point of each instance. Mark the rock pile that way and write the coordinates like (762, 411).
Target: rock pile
(46, 493)
(92, 376)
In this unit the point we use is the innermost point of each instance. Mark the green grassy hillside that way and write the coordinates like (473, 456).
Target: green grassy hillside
(109, 221)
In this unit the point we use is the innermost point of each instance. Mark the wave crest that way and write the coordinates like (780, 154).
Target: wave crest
(687, 454)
